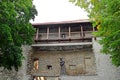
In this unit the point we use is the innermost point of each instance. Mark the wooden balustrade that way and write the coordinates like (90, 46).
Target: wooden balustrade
(57, 35)
(63, 35)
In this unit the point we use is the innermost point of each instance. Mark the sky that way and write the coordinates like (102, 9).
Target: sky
(57, 10)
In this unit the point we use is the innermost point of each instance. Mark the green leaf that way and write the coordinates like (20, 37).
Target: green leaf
(107, 13)
(15, 31)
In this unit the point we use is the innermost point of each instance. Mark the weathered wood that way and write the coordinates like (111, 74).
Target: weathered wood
(62, 44)
(37, 32)
(59, 32)
(82, 33)
(69, 32)
(47, 32)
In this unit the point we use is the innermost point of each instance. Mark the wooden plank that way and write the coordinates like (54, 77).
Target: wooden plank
(37, 32)
(69, 32)
(62, 44)
(47, 32)
(59, 32)
(56, 40)
(82, 33)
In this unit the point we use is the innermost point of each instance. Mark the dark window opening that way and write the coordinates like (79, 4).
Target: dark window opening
(49, 67)
(35, 64)
(63, 36)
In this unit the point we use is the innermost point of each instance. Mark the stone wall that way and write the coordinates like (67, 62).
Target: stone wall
(21, 74)
(77, 62)
(105, 70)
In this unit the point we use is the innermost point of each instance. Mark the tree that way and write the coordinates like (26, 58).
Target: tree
(105, 14)
(15, 31)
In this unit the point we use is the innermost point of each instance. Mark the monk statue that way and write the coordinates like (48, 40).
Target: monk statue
(62, 64)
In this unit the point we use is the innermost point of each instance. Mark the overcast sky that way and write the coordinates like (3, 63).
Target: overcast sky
(57, 10)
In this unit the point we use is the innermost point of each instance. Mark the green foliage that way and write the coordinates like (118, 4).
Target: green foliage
(15, 31)
(106, 15)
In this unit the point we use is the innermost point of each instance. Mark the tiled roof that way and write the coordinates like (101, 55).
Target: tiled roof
(63, 22)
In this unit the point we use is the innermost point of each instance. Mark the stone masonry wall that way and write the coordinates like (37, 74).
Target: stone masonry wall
(21, 74)
(78, 62)
(105, 70)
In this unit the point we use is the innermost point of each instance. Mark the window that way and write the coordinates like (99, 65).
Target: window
(49, 67)
(63, 36)
(35, 64)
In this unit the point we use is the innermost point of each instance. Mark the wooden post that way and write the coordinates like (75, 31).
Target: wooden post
(69, 32)
(37, 32)
(59, 32)
(47, 32)
(82, 34)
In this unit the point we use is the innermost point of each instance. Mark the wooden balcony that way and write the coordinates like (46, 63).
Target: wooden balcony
(63, 36)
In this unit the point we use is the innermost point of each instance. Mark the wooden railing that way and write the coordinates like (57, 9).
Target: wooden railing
(63, 35)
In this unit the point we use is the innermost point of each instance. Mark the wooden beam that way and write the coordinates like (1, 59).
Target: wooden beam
(69, 32)
(59, 32)
(62, 44)
(47, 32)
(56, 40)
(82, 33)
(37, 32)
